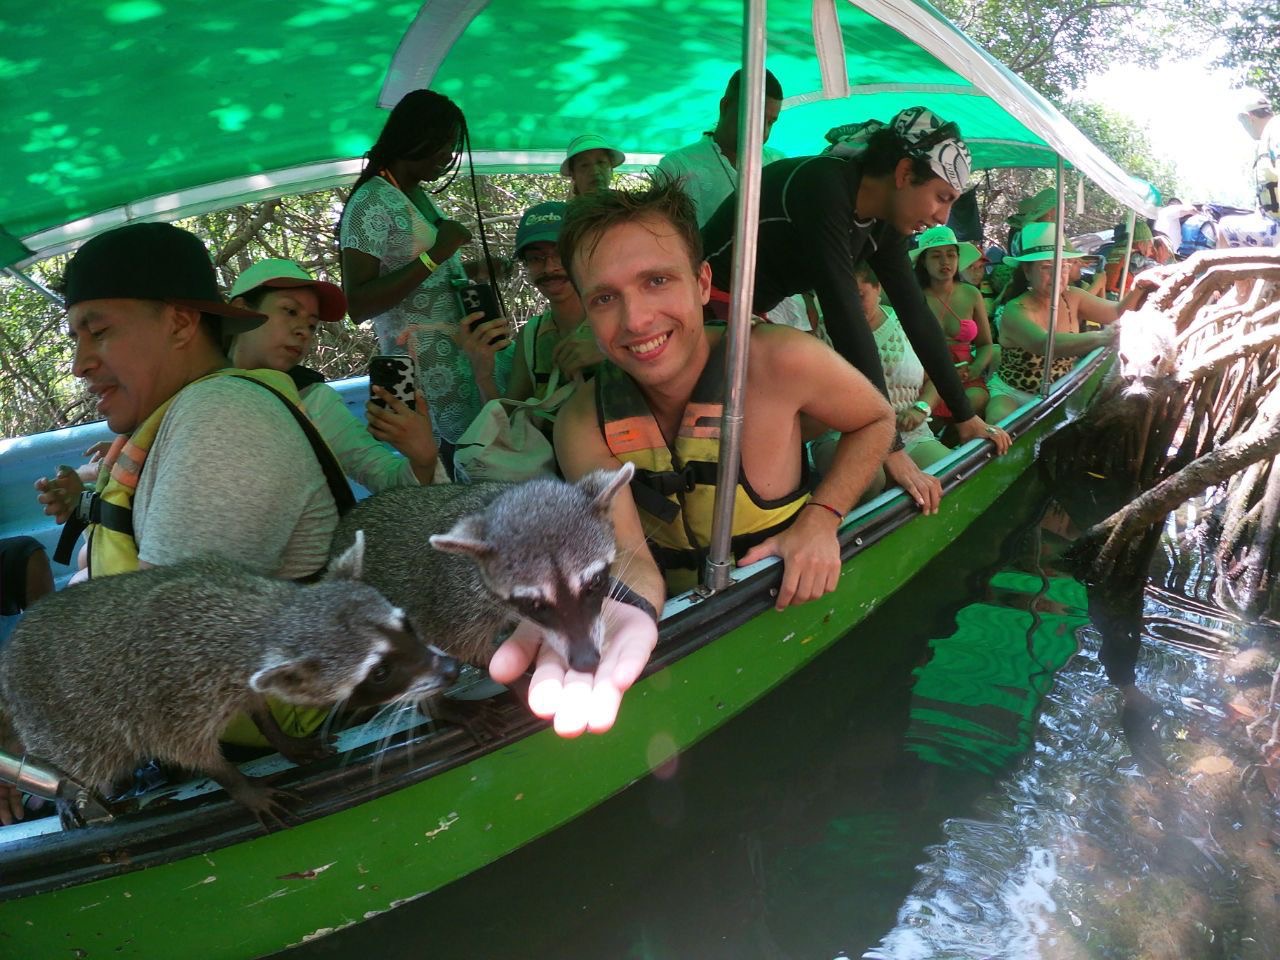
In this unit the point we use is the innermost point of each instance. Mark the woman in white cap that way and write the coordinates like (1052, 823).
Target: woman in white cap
(939, 258)
(295, 303)
(1024, 322)
(589, 162)
(820, 216)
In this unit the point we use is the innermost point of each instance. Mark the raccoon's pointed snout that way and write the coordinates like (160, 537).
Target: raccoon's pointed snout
(442, 665)
(584, 659)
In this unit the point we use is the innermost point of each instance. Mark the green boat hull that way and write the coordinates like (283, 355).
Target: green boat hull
(269, 891)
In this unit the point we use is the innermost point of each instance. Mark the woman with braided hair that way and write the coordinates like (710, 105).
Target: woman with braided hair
(861, 200)
(400, 260)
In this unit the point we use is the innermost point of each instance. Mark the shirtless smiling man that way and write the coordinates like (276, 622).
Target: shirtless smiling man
(636, 260)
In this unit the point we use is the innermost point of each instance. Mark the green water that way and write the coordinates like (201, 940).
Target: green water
(960, 778)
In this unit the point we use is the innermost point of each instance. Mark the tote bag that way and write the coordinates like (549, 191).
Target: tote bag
(505, 441)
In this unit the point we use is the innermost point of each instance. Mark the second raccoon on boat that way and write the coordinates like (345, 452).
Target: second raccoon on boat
(540, 550)
(108, 674)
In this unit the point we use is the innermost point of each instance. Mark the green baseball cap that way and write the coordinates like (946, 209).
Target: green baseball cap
(540, 222)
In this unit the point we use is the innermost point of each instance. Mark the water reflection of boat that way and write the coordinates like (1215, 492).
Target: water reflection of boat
(389, 820)
(976, 700)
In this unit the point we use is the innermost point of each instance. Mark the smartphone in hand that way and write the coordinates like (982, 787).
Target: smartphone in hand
(479, 297)
(394, 373)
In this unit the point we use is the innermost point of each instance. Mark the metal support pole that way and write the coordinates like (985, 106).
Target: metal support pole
(80, 804)
(1128, 253)
(35, 285)
(30, 777)
(1046, 380)
(741, 291)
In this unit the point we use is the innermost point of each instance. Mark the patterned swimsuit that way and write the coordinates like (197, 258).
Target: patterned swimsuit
(1024, 371)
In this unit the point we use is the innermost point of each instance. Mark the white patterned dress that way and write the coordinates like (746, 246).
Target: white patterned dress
(903, 372)
(383, 222)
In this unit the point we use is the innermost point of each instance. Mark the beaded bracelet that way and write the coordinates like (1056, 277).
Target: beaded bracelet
(818, 503)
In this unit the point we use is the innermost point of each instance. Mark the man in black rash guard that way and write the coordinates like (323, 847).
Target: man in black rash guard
(862, 200)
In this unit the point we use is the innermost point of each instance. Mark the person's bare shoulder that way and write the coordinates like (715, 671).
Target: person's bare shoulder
(579, 445)
(581, 406)
(966, 296)
(779, 350)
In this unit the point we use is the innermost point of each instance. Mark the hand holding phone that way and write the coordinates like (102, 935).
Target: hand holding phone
(393, 373)
(479, 298)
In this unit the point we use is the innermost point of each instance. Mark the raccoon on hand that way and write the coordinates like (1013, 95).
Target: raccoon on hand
(538, 554)
(574, 701)
(587, 700)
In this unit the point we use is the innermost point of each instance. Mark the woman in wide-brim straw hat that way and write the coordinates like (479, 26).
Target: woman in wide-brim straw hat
(1042, 207)
(939, 259)
(1023, 321)
(877, 184)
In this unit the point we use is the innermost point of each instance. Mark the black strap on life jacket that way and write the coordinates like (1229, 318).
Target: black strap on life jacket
(677, 558)
(651, 488)
(343, 498)
(93, 509)
(304, 377)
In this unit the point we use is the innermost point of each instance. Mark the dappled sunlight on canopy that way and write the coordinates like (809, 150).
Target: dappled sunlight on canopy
(106, 106)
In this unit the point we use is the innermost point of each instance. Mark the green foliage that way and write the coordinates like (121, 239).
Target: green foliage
(1056, 46)
(1117, 136)
(1253, 45)
(1126, 143)
(37, 391)
(36, 385)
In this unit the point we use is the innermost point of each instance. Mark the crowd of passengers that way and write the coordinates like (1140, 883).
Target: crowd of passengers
(863, 348)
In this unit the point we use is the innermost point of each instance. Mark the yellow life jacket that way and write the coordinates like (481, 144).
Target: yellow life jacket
(112, 548)
(674, 486)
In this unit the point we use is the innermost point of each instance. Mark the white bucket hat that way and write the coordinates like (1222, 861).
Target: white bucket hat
(967, 254)
(589, 141)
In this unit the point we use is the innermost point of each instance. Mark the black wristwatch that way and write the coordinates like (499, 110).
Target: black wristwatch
(623, 594)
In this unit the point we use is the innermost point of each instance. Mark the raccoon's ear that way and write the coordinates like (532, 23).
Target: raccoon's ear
(603, 485)
(465, 538)
(289, 681)
(348, 565)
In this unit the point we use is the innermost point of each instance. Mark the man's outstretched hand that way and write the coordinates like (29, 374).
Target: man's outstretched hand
(577, 702)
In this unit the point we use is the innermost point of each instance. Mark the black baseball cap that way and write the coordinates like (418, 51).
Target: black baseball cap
(153, 261)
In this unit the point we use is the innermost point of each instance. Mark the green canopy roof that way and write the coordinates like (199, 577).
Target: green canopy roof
(154, 109)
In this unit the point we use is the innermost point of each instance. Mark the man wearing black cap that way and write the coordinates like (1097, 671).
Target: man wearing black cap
(204, 462)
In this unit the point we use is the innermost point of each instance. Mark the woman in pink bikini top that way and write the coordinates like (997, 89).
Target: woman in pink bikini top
(939, 257)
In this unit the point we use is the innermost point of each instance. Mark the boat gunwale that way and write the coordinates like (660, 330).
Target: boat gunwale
(48, 862)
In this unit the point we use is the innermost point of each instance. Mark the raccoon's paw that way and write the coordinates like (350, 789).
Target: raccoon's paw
(270, 805)
(304, 750)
